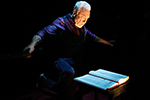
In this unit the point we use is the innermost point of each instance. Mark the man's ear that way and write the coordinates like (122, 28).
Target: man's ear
(74, 13)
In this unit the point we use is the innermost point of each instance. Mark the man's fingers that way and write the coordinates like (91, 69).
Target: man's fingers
(111, 44)
(28, 56)
(29, 51)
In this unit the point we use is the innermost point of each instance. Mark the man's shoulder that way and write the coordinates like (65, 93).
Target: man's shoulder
(63, 18)
(60, 22)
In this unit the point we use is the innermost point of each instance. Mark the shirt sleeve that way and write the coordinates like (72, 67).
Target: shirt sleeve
(53, 28)
(89, 35)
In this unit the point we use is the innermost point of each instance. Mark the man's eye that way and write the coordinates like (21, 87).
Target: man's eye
(81, 16)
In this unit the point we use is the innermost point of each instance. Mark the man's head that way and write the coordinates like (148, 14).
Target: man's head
(81, 13)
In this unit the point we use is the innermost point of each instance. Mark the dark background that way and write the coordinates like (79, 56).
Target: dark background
(127, 22)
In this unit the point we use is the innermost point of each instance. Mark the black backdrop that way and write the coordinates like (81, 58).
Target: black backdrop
(127, 22)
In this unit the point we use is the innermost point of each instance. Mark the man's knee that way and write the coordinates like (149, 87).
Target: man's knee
(70, 73)
(64, 67)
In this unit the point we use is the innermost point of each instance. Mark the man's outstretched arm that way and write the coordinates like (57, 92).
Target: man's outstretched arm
(100, 40)
(35, 40)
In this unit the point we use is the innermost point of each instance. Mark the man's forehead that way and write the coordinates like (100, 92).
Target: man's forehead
(85, 12)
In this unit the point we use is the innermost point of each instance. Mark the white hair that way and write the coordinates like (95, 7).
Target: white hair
(81, 5)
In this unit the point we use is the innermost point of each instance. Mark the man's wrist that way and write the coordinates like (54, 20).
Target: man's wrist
(97, 39)
(36, 39)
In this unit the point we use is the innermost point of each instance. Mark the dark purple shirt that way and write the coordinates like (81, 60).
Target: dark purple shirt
(70, 39)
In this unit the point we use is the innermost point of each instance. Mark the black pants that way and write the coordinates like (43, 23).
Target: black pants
(64, 74)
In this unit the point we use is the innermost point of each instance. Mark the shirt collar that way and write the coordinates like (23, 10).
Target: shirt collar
(70, 19)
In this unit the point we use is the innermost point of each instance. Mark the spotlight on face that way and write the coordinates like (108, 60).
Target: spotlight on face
(82, 17)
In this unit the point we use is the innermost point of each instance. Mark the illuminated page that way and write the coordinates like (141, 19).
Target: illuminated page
(108, 75)
(95, 81)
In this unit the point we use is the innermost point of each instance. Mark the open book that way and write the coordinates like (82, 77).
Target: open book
(103, 79)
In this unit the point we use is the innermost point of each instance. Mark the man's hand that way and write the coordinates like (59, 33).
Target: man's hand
(111, 41)
(36, 39)
(106, 42)
(30, 49)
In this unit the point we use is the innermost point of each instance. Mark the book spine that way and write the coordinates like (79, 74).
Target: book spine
(104, 78)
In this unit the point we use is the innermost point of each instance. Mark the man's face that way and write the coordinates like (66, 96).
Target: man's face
(82, 17)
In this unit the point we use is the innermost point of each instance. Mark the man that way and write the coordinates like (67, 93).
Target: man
(70, 33)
